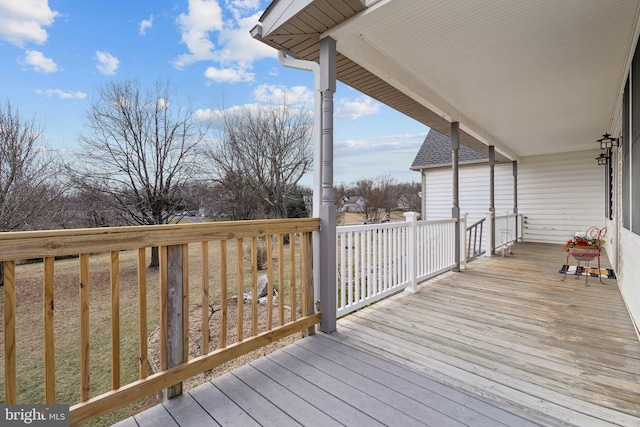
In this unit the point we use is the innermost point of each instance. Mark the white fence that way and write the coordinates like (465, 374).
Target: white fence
(375, 261)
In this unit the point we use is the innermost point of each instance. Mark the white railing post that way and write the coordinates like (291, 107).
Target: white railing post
(521, 221)
(463, 240)
(490, 232)
(412, 241)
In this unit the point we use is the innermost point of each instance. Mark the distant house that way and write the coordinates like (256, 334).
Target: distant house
(353, 204)
(308, 201)
(575, 178)
(409, 202)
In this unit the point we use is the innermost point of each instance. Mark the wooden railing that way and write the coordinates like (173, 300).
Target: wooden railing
(237, 273)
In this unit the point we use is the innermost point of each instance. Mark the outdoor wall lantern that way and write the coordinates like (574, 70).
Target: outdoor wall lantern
(603, 158)
(607, 142)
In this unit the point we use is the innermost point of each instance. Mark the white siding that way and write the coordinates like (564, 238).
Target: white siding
(629, 274)
(558, 194)
(473, 193)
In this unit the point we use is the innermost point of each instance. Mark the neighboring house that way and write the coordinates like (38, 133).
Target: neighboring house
(353, 204)
(409, 202)
(550, 216)
(308, 202)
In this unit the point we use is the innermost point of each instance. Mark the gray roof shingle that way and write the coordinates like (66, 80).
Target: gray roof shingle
(436, 151)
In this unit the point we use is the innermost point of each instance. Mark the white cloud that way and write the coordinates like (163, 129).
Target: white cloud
(238, 46)
(107, 63)
(228, 75)
(162, 104)
(243, 4)
(360, 107)
(274, 72)
(296, 95)
(210, 35)
(145, 24)
(389, 144)
(23, 22)
(211, 114)
(39, 62)
(61, 94)
(204, 17)
(206, 114)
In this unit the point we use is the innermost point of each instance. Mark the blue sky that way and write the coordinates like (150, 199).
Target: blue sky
(54, 54)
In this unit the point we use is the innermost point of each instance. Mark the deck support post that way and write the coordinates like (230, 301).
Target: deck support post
(515, 196)
(328, 285)
(173, 311)
(455, 210)
(492, 198)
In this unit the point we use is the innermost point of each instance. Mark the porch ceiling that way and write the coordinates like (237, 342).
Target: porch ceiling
(528, 77)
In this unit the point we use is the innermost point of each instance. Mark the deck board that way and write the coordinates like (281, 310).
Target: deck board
(313, 393)
(219, 407)
(512, 324)
(505, 342)
(294, 405)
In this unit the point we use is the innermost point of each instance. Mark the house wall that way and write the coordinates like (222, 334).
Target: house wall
(557, 194)
(473, 192)
(560, 194)
(627, 166)
(628, 274)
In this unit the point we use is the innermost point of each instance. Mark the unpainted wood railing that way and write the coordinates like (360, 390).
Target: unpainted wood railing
(173, 242)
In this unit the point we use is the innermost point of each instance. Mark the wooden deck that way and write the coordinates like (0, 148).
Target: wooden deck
(505, 342)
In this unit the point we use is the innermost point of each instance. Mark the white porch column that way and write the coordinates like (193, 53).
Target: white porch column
(455, 210)
(492, 198)
(328, 270)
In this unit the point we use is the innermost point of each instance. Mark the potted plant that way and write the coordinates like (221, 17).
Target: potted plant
(584, 245)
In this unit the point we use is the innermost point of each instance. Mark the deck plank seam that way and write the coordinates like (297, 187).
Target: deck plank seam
(531, 389)
(527, 370)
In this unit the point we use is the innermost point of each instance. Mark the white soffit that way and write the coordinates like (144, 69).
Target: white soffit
(532, 77)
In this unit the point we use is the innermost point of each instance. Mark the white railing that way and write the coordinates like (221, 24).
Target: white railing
(435, 248)
(507, 231)
(375, 261)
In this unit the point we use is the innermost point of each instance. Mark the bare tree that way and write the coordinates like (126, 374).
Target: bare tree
(408, 196)
(379, 196)
(265, 149)
(386, 186)
(139, 149)
(29, 187)
(340, 194)
(372, 199)
(236, 199)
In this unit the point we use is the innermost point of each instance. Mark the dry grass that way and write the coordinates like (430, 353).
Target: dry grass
(195, 338)
(352, 218)
(30, 325)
